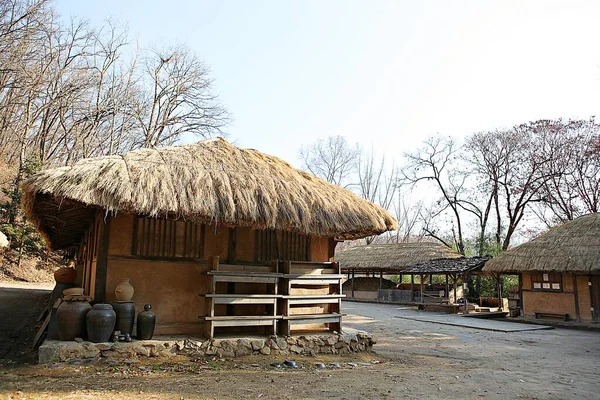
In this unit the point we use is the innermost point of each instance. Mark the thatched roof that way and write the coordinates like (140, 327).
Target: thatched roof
(211, 181)
(448, 265)
(391, 258)
(574, 246)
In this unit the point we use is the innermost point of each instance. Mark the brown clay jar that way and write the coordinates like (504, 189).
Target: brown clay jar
(70, 318)
(100, 322)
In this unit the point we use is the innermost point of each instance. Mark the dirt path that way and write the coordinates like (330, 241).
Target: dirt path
(414, 360)
(20, 306)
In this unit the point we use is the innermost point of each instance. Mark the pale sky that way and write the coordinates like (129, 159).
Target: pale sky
(385, 74)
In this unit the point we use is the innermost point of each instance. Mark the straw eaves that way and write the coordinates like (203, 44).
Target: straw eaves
(571, 247)
(211, 181)
(392, 258)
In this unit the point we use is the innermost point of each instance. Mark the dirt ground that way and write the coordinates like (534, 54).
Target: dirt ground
(413, 360)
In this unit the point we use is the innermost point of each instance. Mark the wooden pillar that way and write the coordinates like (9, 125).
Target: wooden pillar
(576, 296)
(380, 285)
(422, 276)
(464, 279)
(101, 262)
(447, 287)
(455, 288)
(412, 288)
(499, 291)
(353, 283)
(520, 294)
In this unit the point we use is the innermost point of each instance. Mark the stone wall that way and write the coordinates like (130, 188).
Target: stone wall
(351, 341)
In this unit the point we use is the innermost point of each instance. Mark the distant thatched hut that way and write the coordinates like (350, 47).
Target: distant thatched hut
(560, 270)
(157, 215)
(378, 260)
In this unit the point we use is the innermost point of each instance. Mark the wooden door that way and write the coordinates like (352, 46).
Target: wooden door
(595, 296)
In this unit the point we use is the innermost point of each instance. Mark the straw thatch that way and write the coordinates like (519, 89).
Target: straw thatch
(391, 258)
(211, 181)
(457, 266)
(572, 247)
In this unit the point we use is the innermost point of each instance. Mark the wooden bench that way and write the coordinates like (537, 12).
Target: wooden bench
(564, 317)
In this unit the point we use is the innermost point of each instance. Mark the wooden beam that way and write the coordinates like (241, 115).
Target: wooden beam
(102, 261)
(352, 283)
(576, 296)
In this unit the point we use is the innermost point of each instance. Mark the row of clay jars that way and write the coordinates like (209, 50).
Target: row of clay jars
(78, 319)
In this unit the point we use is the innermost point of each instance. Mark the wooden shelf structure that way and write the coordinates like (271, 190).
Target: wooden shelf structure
(249, 295)
(252, 289)
(311, 296)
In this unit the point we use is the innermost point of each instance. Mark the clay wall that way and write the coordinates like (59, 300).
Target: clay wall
(560, 302)
(175, 287)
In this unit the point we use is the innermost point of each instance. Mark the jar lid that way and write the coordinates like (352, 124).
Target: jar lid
(102, 306)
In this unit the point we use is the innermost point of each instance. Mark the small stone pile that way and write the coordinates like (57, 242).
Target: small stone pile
(351, 341)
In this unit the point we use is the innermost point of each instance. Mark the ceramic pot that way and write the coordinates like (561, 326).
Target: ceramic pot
(125, 311)
(124, 290)
(65, 275)
(70, 318)
(100, 322)
(146, 321)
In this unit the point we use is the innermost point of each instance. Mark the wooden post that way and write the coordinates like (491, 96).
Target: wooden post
(576, 296)
(447, 288)
(421, 276)
(455, 288)
(412, 288)
(101, 261)
(521, 294)
(353, 283)
(499, 291)
(380, 283)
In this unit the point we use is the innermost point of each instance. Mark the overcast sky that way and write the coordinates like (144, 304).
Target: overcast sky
(383, 73)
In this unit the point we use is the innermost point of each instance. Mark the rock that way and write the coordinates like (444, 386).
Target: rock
(296, 349)
(339, 345)
(141, 350)
(301, 342)
(3, 240)
(265, 350)
(350, 336)
(210, 351)
(225, 353)
(78, 340)
(331, 340)
(243, 350)
(290, 340)
(326, 350)
(257, 344)
(281, 343)
(104, 346)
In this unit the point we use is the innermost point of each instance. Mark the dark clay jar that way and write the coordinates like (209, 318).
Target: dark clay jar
(125, 311)
(100, 321)
(70, 318)
(146, 321)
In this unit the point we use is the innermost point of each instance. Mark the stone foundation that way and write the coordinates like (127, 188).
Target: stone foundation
(351, 341)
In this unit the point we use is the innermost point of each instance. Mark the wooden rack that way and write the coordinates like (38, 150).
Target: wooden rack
(221, 291)
(312, 296)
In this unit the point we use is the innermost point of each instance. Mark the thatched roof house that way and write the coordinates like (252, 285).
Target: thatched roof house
(211, 181)
(391, 258)
(571, 247)
(560, 270)
(161, 217)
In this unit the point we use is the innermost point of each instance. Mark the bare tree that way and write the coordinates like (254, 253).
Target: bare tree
(573, 170)
(435, 163)
(179, 99)
(332, 159)
(375, 182)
